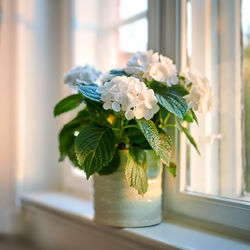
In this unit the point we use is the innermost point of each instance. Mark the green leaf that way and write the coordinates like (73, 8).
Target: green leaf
(180, 89)
(89, 91)
(135, 171)
(194, 116)
(118, 72)
(173, 103)
(151, 133)
(67, 134)
(68, 104)
(82, 117)
(190, 138)
(94, 147)
(72, 156)
(137, 138)
(165, 149)
(188, 117)
(172, 168)
(170, 99)
(112, 166)
(98, 114)
(66, 140)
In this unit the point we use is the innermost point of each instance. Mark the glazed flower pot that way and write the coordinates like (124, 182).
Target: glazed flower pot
(117, 204)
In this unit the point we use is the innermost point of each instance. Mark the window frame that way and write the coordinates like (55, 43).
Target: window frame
(216, 210)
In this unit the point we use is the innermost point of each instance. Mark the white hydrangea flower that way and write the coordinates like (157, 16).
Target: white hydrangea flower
(79, 74)
(105, 77)
(152, 66)
(140, 62)
(200, 97)
(130, 95)
(190, 77)
(162, 71)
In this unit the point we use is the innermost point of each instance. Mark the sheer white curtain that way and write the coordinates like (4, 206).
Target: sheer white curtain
(33, 38)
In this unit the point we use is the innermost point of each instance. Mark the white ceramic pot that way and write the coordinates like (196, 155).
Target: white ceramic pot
(117, 204)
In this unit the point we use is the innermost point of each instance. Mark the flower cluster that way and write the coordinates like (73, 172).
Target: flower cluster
(151, 66)
(200, 96)
(130, 95)
(129, 92)
(79, 74)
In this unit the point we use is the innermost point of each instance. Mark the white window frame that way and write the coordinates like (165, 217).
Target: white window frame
(223, 211)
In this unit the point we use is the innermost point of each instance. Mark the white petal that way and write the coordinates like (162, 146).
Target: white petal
(107, 105)
(140, 111)
(200, 97)
(129, 114)
(101, 89)
(149, 115)
(116, 106)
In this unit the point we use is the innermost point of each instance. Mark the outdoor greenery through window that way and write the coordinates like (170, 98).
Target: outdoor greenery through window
(246, 86)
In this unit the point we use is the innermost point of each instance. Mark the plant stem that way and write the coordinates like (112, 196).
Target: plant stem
(130, 126)
(170, 125)
(121, 124)
(166, 119)
(116, 129)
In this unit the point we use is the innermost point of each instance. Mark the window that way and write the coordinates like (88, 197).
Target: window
(104, 36)
(214, 185)
(206, 34)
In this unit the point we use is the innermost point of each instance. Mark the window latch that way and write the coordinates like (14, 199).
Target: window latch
(211, 138)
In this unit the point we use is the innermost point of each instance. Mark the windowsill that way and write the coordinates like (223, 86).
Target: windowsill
(167, 234)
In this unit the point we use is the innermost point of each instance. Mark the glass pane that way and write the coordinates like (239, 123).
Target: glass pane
(129, 8)
(246, 85)
(98, 37)
(202, 171)
(84, 32)
(134, 36)
(214, 49)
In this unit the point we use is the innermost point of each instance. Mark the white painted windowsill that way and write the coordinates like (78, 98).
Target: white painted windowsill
(167, 235)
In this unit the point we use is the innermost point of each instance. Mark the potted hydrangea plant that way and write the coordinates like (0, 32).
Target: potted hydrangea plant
(121, 135)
